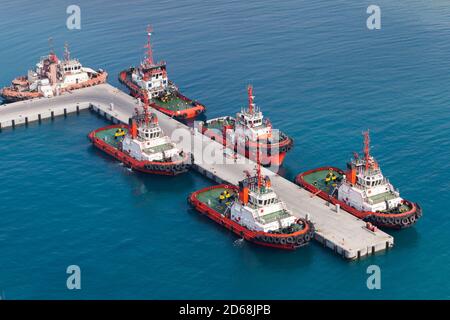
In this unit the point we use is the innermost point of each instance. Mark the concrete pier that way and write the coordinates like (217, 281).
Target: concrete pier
(337, 230)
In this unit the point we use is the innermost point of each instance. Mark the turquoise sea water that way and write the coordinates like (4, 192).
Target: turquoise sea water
(318, 73)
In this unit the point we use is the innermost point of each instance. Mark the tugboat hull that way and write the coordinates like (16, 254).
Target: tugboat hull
(191, 111)
(313, 181)
(168, 168)
(286, 241)
(9, 94)
(271, 154)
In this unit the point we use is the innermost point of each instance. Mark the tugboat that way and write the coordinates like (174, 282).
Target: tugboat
(143, 146)
(249, 132)
(163, 93)
(52, 77)
(363, 191)
(254, 212)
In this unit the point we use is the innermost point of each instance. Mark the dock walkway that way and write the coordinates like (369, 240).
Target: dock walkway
(336, 229)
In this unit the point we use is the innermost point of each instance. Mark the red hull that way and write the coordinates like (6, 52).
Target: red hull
(11, 95)
(280, 241)
(187, 114)
(388, 220)
(160, 168)
(267, 156)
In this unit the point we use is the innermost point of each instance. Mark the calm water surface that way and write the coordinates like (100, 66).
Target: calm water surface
(318, 74)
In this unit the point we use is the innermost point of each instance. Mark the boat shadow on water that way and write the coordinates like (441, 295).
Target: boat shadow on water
(163, 183)
(404, 238)
(271, 258)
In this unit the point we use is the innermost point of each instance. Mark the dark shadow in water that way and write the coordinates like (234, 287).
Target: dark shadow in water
(275, 259)
(163, 184)
(405, 238)
(202, 117)
(284, 172)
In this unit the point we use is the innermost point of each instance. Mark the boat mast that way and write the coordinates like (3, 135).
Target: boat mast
(250, 98)
(148, 46)
(258, 169)
(145, 106)
(66, 52)
(52, 54)
(50, 45)
(366, 148)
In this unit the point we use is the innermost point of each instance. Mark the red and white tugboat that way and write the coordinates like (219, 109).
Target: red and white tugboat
(254, 212)
(164, 95)
(52, 77)
(363, 191)
(249, 132)
(143, 146)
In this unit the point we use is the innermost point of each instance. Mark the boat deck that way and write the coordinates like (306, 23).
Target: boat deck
(108, 136)
(385, 196)
(211, 199)
(218, 124)
(317, 179)
(159, 148)
(174, 104)
(274, 216)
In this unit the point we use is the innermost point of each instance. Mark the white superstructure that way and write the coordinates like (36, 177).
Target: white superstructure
(149, 144)
(250, 123)
(52, 76)
(365, 188)
(259, 208)
(151, 78)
